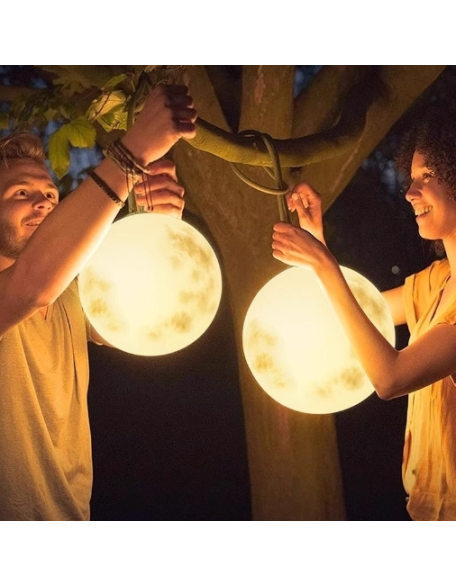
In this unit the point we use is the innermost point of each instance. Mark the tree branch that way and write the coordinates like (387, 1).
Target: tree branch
(295, 152)
(319, 105)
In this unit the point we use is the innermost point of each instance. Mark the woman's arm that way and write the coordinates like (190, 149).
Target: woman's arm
(394, 300)
(306, 202)
(393, 373)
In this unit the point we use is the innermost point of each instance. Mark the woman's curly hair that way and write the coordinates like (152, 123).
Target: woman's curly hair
(433, 135)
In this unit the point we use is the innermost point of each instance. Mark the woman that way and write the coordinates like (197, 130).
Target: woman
(426, 368)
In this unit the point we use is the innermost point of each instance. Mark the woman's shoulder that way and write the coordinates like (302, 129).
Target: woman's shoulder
(437, 272)
(427, 280)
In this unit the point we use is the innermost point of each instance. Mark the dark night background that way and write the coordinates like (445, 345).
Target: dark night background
(168, 432)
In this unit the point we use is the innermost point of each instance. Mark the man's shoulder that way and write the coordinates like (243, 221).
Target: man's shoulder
(70, 297)
(71, 291)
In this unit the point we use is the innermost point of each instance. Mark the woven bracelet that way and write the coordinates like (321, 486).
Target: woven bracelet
(105, 187)
(129, 155)
(124, 159)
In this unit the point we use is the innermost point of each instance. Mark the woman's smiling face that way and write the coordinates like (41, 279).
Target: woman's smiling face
(433, 206)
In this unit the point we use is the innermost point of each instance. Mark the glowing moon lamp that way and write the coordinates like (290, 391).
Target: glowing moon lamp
(153, 286)
(297, 349)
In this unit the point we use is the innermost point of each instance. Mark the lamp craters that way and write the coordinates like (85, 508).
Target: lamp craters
(352, 378)
(181, 322)
(185, 243)
(98, 293)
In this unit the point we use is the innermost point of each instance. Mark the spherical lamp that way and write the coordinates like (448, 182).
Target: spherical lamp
(153, 286)
(297, 349)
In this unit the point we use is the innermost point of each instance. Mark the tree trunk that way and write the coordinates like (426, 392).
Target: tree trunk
(293, 458)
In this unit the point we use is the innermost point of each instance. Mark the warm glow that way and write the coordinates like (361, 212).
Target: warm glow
(296, 348)
(153, 286)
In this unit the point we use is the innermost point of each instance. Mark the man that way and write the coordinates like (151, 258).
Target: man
(45, 450)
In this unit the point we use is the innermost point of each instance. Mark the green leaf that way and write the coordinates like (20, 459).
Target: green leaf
(59, 152)
(81, 133)
(105, 103)
(114, 120)
(70, 78)
(114, 81)
(69, 86)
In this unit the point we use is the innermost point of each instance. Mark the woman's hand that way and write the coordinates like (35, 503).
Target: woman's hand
(298, 247)
(306, 202)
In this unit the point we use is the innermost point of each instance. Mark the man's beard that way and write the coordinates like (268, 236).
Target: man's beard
(10, 245)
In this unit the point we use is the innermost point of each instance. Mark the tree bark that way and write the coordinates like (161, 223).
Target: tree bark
(401, 86)
(293, 459)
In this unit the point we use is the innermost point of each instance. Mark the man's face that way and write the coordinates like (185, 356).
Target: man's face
(27, 196)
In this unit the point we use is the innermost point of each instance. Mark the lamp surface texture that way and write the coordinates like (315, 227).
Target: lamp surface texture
(296, 347)
(153, 286)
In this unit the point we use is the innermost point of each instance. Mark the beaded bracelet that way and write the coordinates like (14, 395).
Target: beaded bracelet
(105, 187)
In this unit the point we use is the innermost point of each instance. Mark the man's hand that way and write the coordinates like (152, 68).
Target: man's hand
(159, 190)
(167, 116)
(304, 200)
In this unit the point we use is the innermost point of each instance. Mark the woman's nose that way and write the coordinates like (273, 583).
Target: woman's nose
(412, 193)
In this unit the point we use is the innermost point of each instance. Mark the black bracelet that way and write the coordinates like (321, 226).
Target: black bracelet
(105, 187)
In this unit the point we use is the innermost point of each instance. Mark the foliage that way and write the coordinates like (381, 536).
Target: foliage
(77, 100)
(78, 133)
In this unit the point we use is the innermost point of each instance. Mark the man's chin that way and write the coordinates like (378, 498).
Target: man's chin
(11, 243)
(11, 250)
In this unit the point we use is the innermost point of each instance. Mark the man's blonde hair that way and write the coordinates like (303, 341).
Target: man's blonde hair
(22, 145)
